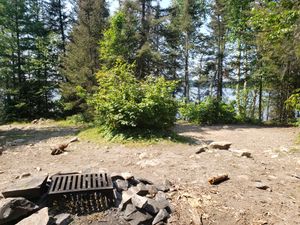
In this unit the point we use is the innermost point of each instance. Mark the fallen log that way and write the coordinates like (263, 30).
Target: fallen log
(218, 179)
(59, 149)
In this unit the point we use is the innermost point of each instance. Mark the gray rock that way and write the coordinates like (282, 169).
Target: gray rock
(161, 216)
(224, 145)
(126, 198)
(18, 141)
(160, 196)
(242, 153)
(162, 187)
(152, 189)
(116, 176)
(63, 219)
(127, 175)
(139, 201)
(152, 206)
(162, 202)
(14, 208)
(39, 218)
(121, 185)
(130, 209)
(140, 189)
(140, 218)
(29, 188)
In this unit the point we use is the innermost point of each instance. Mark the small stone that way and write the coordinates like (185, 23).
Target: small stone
(261, 185)
(1, 172)
(18, 141)
(63, 219)
(38, 169)
(161, 216)
(143, 155)
(139, 201)
(151, 189)
(220, 145)
(39, 218)
(127, 175)
(242, 153)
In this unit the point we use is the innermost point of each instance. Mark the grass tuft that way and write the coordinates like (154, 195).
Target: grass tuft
(137, 136)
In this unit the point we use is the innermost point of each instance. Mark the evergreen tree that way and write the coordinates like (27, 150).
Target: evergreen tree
(218, 27)
(82, 58)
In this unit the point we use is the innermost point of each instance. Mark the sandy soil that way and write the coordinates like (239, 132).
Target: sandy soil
(275, 162)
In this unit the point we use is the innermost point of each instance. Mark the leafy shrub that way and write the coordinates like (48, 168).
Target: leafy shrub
(123, 102)
(211, 111)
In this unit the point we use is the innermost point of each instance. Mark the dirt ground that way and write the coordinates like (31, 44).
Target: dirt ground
(275, 162)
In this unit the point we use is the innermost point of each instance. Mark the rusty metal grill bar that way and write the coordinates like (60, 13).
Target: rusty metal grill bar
(72, 183)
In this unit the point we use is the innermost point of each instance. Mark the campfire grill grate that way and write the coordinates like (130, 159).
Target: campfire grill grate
(81, 193)
(70, 183)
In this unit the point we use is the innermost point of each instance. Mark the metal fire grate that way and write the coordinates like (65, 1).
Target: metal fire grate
(81, 193)
(70, 183)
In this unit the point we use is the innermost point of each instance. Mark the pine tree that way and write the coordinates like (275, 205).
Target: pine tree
(82, 58)
(218, 27)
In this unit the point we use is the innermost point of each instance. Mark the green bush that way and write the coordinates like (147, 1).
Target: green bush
(123, 102)
(211, 111)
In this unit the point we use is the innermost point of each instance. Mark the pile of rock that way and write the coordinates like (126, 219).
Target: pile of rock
(140, 202)
(25, 204)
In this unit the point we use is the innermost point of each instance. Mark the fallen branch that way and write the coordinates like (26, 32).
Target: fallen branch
(59, 149)
(218, 179)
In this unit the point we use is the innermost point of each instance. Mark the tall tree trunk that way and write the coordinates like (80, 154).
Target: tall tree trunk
(62, 28)
(268, 105)
(260, 99)
(238, 91)
(220, 61)
(17, 27)
(186, 68)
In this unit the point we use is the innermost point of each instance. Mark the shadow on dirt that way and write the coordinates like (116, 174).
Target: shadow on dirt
(30, 135)
(186, 127)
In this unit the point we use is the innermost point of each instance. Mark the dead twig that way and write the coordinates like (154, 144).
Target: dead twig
(218, 179)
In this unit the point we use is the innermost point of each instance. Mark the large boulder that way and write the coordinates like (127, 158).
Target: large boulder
(29, 188)
(15, 208)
